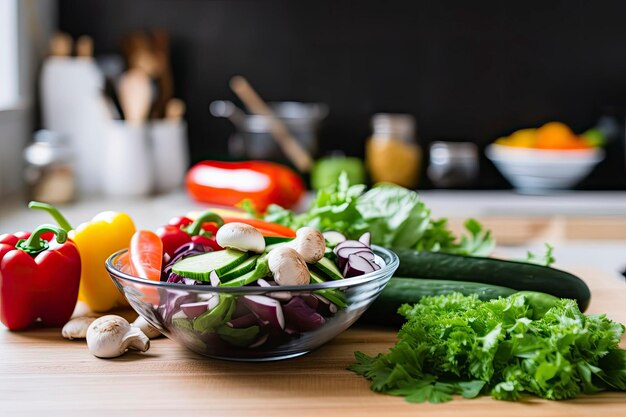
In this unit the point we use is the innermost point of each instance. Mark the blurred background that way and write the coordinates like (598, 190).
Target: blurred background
(418, 90)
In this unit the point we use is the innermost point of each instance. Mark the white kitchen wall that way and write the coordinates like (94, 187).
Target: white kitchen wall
(36, 20)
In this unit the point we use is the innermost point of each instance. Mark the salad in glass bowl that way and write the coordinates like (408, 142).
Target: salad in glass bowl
(256, 298)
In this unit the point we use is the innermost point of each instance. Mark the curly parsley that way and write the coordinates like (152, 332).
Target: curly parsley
(459, 345)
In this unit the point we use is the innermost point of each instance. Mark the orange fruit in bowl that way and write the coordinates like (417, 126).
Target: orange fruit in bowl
(523, 138)
(555, 135)
(577, 143)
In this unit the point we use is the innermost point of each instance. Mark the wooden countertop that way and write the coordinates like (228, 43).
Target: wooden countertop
(43, 374)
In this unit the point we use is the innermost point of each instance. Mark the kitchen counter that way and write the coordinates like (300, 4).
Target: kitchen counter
(41, 373)
(151, 212)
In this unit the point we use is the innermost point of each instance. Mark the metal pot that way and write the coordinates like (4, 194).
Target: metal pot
(253, 138)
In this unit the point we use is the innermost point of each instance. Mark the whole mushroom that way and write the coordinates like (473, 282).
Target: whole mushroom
(240, 236)
(288, 267)
(309, 243)
(77, 327)
(111, 336)
(147, 329)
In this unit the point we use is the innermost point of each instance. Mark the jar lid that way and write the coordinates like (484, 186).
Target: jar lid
(397, 125)
(440, 150)
(48, 148)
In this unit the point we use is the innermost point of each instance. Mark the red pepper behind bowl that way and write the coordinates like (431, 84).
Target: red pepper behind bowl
(228, 183)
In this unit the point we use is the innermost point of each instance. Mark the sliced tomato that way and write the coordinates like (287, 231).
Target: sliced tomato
(266, 228)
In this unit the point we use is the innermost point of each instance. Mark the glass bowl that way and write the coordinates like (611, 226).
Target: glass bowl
(252, 323)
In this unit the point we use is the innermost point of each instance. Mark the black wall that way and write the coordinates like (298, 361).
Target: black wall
(471, 70)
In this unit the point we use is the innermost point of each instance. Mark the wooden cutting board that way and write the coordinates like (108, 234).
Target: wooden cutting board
(42, 374)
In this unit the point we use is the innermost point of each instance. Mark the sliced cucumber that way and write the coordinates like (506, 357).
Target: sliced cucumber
(333, 295)
(200, 266)
(329, 268)
(261, 270)
(274, 246)
(241, 269)
(272, 240)
(316, 278)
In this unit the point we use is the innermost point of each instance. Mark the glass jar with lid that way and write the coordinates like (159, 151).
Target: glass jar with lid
(392, 153)
(49, 171)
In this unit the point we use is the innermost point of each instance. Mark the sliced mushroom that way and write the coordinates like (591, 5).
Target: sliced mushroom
(240, 236)
(309, 243)
(148, 329)
(288, 267)
(111, 336)
(77, 327)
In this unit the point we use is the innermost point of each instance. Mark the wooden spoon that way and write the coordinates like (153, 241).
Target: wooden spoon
(84, 47)
(135, 95)
(61, 44)
(174, 109)
(290, 146)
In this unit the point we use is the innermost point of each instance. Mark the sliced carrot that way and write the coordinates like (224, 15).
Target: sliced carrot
(266, 228)
(146, 255)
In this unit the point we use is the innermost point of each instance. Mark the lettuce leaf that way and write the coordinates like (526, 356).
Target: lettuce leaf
(395, 216)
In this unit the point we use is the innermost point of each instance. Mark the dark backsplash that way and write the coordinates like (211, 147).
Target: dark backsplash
(467, 70)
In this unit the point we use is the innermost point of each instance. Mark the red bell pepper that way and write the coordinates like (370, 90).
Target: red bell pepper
(38, 279)
(228, 183)
(182, 230)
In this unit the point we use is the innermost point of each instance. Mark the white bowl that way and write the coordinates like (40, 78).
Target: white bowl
(537, 171)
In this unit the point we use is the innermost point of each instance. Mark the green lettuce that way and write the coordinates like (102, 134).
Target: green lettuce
(459, 345)
(395, 216)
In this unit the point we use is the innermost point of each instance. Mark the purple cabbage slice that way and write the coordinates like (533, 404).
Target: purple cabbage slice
(367, 254)
(311, 300)
(356, 266)
(366, 238)
(193, 310)
(301, 316)
(172, 302)
(373, 264)
(243, 321)
(350, 244)
(266, 309)
(184, 251)
(344, 253)
(279, 295)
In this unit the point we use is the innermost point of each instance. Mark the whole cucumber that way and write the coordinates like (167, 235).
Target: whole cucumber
(384, 310)
(520, 276)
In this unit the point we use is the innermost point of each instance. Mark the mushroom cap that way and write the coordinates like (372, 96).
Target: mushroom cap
(288, 267)
(309, 243)
(240, 236)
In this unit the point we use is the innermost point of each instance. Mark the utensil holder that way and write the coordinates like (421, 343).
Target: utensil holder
(127, 160)
(170, 156)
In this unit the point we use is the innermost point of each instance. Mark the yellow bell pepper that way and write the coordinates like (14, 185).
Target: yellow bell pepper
(96, 240)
